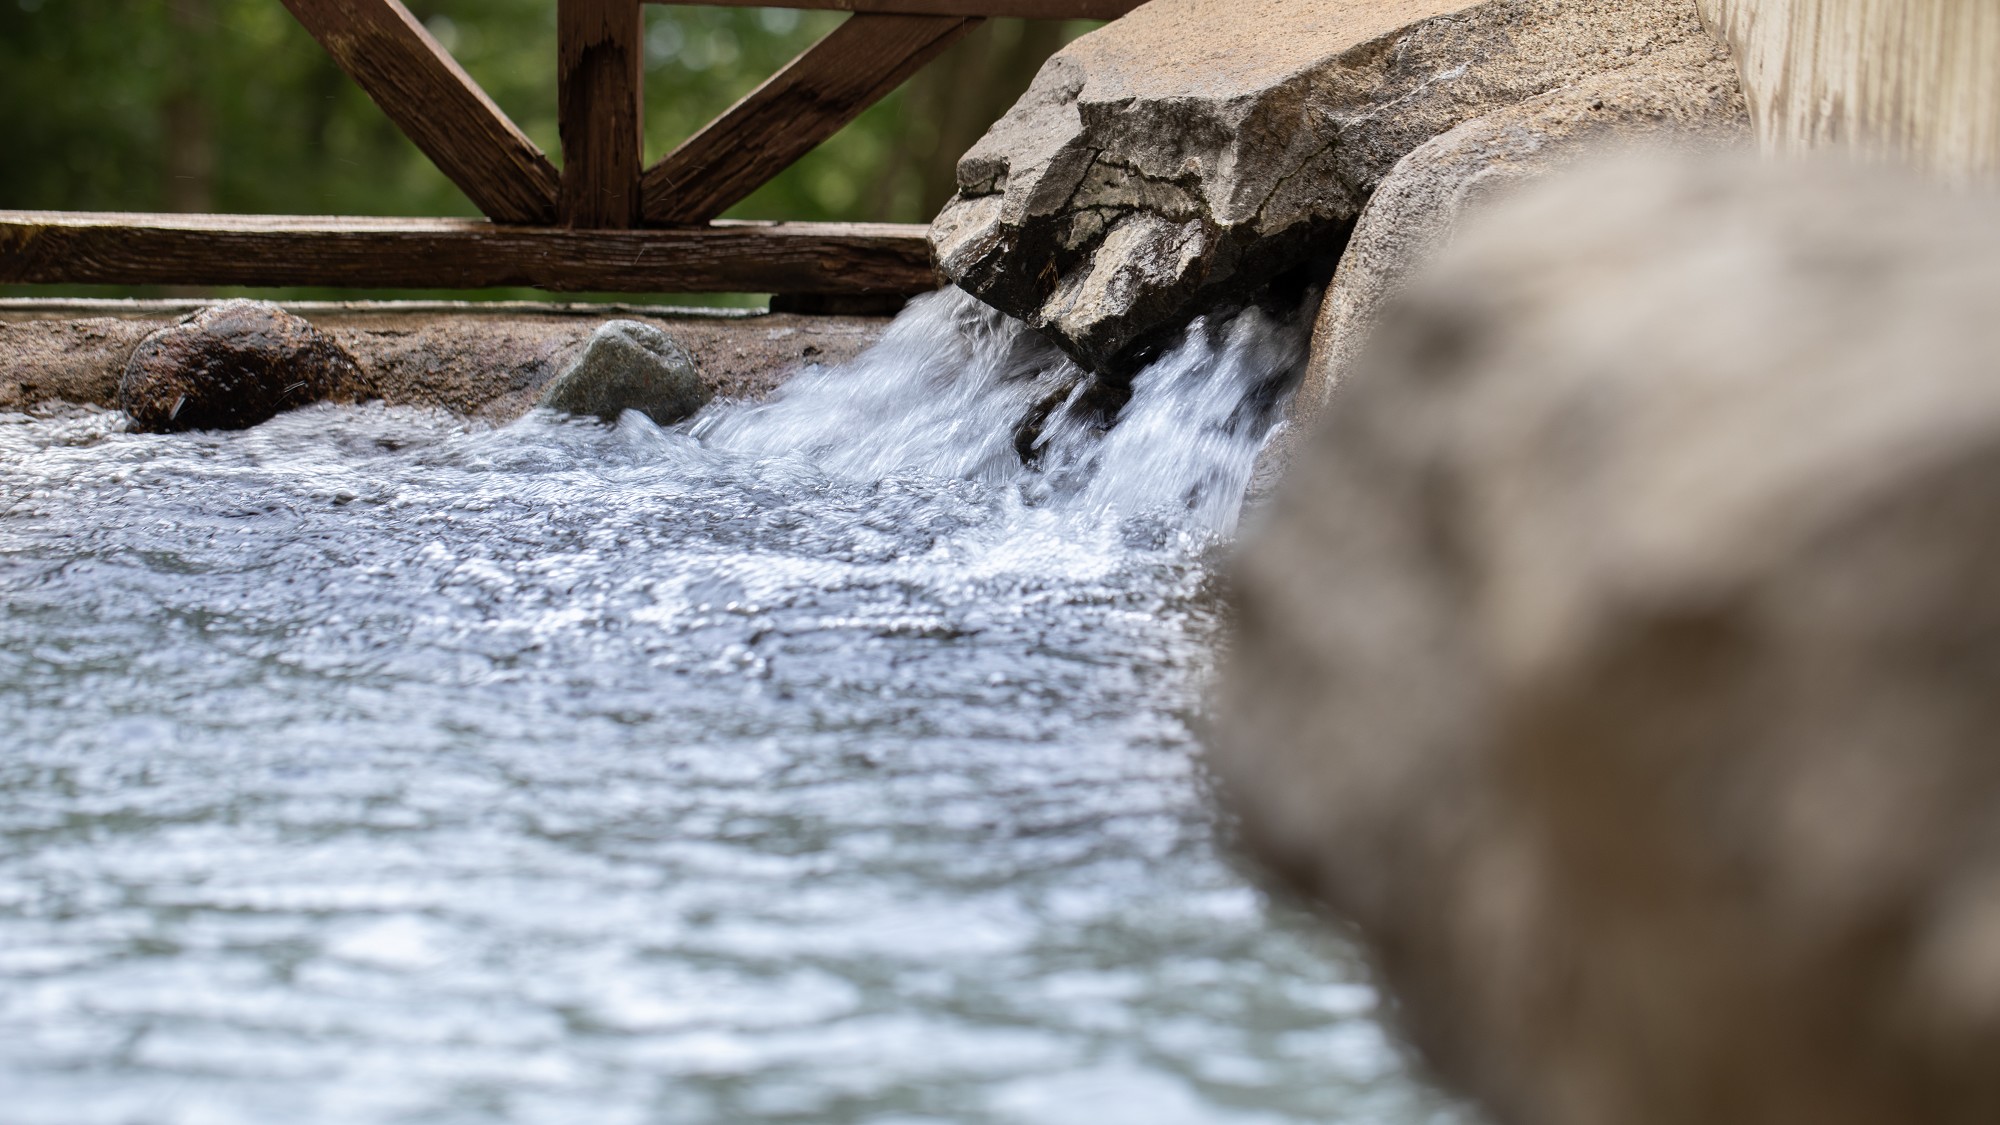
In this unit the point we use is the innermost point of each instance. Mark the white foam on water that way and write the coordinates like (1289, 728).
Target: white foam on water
(957, 389)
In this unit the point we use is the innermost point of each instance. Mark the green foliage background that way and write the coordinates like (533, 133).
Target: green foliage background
(229, 106)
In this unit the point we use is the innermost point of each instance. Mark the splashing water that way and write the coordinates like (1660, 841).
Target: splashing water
(827, 760)
(956, 389)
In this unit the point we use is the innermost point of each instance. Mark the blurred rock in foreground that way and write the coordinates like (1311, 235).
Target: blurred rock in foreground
(1623, 652)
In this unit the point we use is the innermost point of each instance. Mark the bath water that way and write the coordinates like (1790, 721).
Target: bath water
(828, 760)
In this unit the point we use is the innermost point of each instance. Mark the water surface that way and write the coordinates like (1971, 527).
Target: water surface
(820, 764)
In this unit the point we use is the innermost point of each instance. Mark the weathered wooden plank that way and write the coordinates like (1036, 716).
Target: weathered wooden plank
(436, 104)
(996, 9)
(68, 247)
(599, 76)
(805, 103)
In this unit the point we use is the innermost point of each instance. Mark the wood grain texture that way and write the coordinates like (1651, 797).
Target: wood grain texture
(805, 103)
(995, 9)
(67, 247)
(436, 104)
(599, 77)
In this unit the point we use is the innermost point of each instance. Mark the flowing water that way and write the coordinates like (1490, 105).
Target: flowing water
(828, 760)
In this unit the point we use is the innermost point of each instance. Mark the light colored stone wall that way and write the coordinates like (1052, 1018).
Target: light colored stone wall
(1917, 80)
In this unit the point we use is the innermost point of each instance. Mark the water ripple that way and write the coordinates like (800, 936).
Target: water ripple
(374, 766)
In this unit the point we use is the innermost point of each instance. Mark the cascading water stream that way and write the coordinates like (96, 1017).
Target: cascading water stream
(957, 389)
(826, 760)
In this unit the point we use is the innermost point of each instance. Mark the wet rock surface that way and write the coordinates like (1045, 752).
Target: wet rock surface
(1188, 154)
(231, 366)
(1620, 654)
(630, 365)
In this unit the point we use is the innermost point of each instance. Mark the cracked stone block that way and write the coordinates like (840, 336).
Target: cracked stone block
(1186, 156)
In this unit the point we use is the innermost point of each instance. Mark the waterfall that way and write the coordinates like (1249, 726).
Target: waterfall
(957, 389)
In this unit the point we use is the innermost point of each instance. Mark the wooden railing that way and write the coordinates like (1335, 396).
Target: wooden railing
(603, 222)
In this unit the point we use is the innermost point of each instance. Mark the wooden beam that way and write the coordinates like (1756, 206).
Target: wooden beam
(995, 9)
(785, 118)
(599, 76)
(68, 247)
(436, 104)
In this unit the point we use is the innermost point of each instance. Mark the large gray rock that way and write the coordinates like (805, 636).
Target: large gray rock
(1623, 653)
(1191, 152)
(1685, 96)
(630, 365)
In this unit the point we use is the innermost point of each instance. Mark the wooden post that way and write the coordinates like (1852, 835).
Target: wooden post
(599, 71)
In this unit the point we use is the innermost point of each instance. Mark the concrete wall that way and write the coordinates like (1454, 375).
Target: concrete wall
(1917, 80)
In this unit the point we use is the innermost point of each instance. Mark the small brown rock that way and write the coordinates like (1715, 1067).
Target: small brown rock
(231, 366)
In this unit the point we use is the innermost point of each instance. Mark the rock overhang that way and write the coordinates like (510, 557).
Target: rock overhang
(1189, 155)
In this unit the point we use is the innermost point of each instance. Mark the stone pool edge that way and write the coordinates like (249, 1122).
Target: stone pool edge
(488, 360)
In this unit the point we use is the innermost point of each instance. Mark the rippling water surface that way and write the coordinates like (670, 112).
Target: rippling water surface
(814, 765)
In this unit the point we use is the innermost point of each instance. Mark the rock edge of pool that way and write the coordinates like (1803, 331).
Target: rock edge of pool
(486, 360)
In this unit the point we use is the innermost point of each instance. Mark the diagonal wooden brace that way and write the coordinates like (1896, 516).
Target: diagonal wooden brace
(436, 104)
(810, 100)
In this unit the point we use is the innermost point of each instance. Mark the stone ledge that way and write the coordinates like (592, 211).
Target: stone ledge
(484, 359)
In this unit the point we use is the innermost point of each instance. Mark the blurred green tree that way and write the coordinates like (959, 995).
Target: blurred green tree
(228, 105)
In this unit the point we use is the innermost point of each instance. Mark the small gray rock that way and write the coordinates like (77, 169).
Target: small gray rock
(630, 365)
